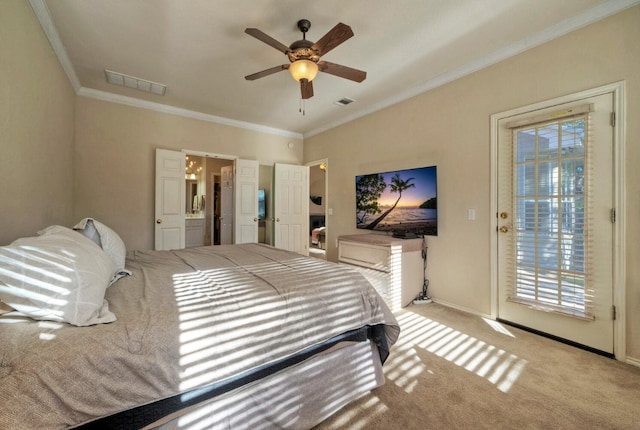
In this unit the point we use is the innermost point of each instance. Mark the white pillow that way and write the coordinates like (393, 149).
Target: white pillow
(59, 276)
(111, 243)
(89, 230)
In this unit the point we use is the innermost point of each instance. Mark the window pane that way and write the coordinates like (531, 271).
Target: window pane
(548, 141)
(548, 178)
(545, 221)
(526, 150)
(573, 137)
(572, 176)
(526, 177)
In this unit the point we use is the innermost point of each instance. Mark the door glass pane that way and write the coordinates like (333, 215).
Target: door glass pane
(526, 148)
(548, 141)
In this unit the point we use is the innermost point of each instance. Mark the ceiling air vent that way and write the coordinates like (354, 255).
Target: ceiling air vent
(344, 101)
(135, 83)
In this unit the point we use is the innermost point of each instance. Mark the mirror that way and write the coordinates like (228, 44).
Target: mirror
(192, 191)
(265, 225)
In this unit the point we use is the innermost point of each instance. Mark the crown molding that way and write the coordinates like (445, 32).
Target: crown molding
(589, 16)
(159, 107)
(44, 17)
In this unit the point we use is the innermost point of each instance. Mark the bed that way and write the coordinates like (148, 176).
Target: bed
(235, 336)
(318, 237)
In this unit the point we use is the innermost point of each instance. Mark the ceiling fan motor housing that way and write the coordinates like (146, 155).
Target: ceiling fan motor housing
(301, 50)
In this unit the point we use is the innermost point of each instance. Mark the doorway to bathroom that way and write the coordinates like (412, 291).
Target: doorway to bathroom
(317, 208)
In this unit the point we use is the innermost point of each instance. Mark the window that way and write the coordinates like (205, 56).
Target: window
(552, 222)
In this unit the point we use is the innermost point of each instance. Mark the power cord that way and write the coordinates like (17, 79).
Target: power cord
(423, 297)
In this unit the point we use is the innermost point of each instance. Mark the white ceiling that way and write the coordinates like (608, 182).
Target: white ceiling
(198, 48)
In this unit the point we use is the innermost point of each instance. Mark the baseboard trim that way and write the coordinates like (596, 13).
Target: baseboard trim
(558, 339)
(633, 361)
(461, 308)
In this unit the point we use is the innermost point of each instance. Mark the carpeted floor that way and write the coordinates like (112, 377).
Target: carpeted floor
(454, 370)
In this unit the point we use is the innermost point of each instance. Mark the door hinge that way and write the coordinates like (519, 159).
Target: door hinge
(613, 312)
(613, 215)
(613, 119)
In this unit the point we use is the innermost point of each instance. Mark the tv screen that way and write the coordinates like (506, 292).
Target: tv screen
(401, 202)
(262, 205)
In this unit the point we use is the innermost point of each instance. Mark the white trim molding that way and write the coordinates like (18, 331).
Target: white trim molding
(44, 17)
(159, 107)
(633, 361)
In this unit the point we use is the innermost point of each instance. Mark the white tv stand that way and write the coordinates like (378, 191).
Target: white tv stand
(393, 266)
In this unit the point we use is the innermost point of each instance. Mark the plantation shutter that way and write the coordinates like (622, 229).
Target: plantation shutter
(551, 241)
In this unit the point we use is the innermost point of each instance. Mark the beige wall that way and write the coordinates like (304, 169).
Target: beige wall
(115, 160)
(36, 128)
(449, 127)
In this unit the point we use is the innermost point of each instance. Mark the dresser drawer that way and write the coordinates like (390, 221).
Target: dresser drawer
(365, 255)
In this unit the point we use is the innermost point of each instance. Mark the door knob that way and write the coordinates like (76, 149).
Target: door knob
(277, 219)
(158, 221)
(503, 229)
(503, 215)
(255, 219)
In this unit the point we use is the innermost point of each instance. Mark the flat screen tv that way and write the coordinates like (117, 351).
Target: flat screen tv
(401, 202)
(262, 204)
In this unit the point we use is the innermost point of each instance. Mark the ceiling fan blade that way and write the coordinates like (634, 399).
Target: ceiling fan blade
(266, 72)
(306, 89)
(333, 38)
(267, 39)
(342, 71)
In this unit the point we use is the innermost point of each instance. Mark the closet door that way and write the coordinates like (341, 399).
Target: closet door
(291, 207)
(170, 198)
(246, 201)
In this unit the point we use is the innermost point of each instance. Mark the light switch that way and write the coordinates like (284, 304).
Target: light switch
(330, 211)
(471, 214)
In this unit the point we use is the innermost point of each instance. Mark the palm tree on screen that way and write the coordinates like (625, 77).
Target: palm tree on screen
(398, 185)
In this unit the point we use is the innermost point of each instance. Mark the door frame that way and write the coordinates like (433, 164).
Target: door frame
(205, 155)
(619, 246)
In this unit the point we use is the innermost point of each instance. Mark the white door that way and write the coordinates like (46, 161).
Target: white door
(246, 201)
(170, 200)
(555, 231)
(291, 208)
(226, 205)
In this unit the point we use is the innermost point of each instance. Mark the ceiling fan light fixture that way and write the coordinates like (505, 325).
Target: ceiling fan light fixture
(303, 69)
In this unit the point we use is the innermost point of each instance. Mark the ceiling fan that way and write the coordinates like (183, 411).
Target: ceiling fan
(304, 56)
